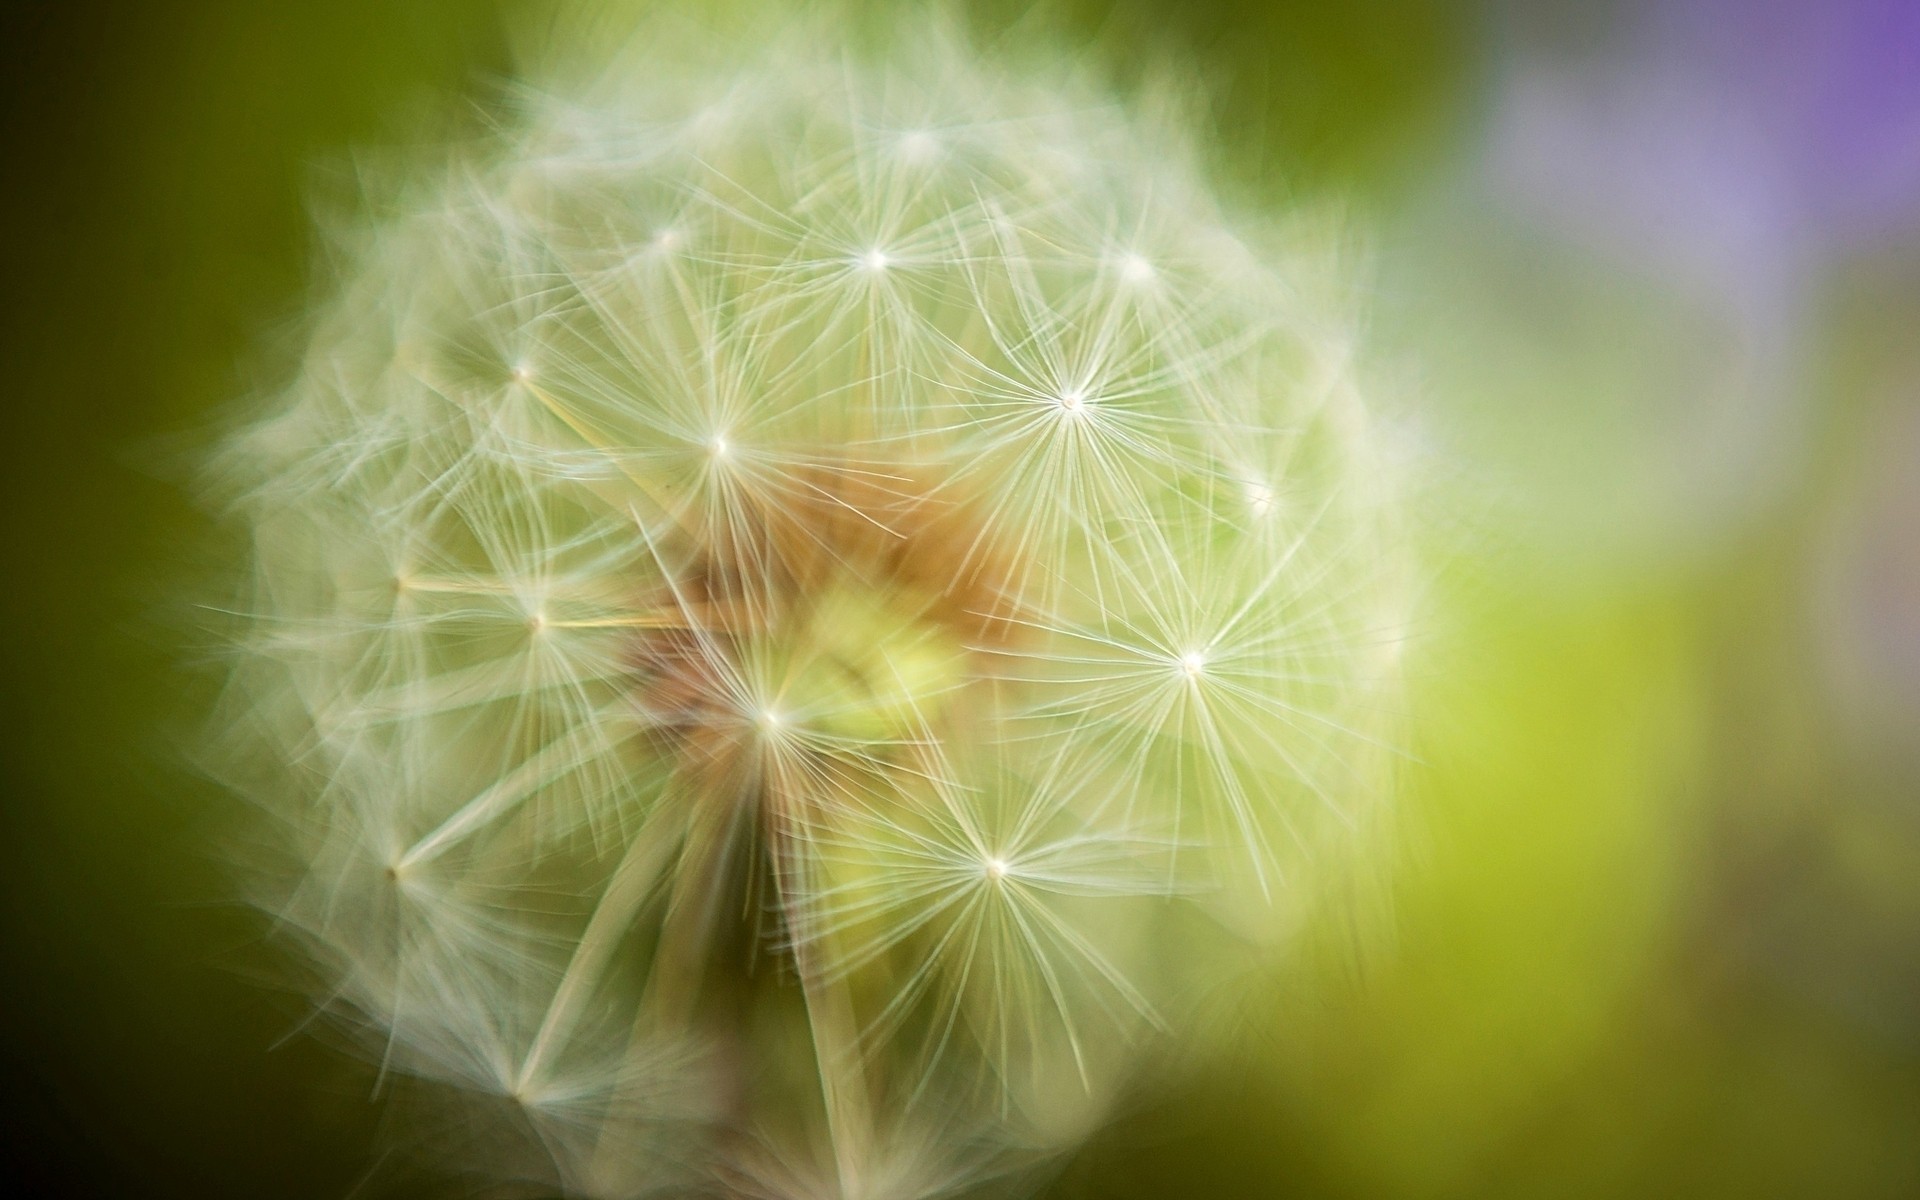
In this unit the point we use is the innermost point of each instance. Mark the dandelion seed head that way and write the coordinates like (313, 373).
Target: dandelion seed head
(854, 613)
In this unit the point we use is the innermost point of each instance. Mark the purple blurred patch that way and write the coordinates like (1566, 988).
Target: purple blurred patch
(1832, 85)
(1647, 225)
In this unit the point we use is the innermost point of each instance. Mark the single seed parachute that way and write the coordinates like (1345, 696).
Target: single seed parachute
(788, 596)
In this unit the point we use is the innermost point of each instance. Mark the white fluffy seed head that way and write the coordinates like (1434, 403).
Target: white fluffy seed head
(593, 731)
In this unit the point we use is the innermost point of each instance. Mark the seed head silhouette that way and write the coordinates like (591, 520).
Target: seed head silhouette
(784, 591)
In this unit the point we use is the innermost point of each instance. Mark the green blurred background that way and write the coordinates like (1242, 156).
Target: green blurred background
(1654, 925)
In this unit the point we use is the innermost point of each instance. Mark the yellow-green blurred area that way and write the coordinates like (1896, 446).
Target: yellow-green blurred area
(1643, 283)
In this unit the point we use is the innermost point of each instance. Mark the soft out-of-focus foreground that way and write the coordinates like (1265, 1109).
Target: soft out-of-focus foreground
(1641, 279)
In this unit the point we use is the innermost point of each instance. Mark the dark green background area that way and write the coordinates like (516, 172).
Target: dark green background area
(157, 159)
(1656, 934)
